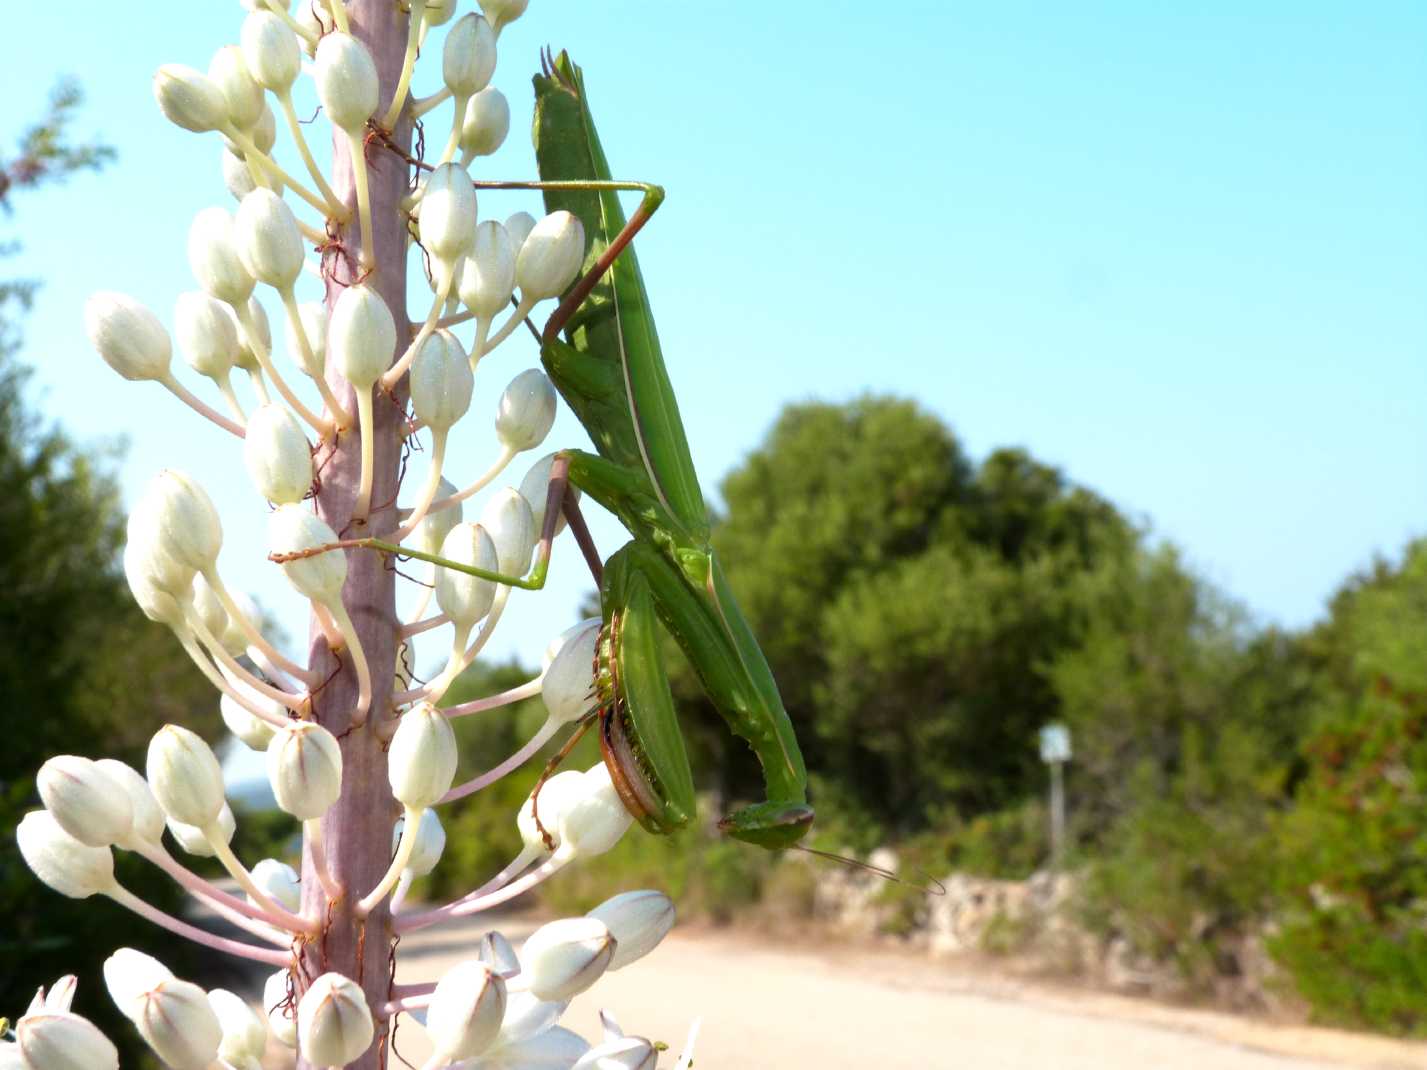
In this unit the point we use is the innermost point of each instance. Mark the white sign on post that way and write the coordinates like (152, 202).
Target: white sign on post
(1055, 743)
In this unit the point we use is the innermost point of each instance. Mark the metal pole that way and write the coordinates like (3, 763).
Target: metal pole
(1057, 812)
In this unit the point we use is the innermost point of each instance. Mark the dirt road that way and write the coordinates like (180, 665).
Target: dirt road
(777, 1006)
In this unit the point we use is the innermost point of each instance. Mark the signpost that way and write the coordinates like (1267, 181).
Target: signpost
(1055, 752)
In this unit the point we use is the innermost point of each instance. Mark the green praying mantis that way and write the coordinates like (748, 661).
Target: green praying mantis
(609, 369)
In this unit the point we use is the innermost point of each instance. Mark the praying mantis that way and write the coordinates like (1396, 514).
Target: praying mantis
(610, 370)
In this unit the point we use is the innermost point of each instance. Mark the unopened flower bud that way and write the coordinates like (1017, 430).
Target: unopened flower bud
(431, 532)
(448, 213)
(130, 975)
(594, 821)
(361, 335)
(346, 81)
(213, 257)
(549, 804)
(535, 489)
(495, 951)
(551, 256)
(254, 732)
(441, 381)
(527, 410)
(189, 99)
(638, 920)
(421, 759)
(244, 97)
(314, 325)
(185, 776)
(245, 1032)
(563, 958)
(60, 861)
(237, 179)
(179, 1023)
(264, 133)
(282, 1014)
(210, 611)
(258, 317)
(191, 839)
(147, 828)
(207, 336)
(569, 682)
(271, 50)
(486, 123)
(268, 241)
(128, 336)
(557, 644)
(291, 528)
(503, 12)
(85, 800)
(150, 559)
(152, 597)
(430, 842)
(439, 12)
(186, 524)
(511, 525)
(279, 882)
(488, 272)
(464, 598)
(305, 769)
(277, 455)
(58, 1040)
(468, 59)
(466, 1010)
(519, 225)
(334, 1024)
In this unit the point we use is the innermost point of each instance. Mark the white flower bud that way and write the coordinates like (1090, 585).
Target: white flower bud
(463, 598)
(210, 611)
(277, 455)
(148, 819)
(314, 325)
(439, 12)
(361, 336)
(244, 97)
(245, 1032)
(594, 821)
(488, 273)
(511, 525)
(468, 60)
(519, 225)
(213, 257)
(430, 842)
(60, 861)
(486, 123)
(85, 800)
(254, 732)
(346, 81)
(421, 758)
(279, 882)
(526, 1015)
(268, 241)
(153, 598)
(569, 683)
(207, 336)
(448, 213)
(292, 528)
(237, 179)
(189, 99)
(191, 840)
(441, 381)
(555, 795)
(437, 524)
(563, 958)
(264, 133)
(466, 1010)
(316, 19)
(535, 489)
(305, 769)
(150, 560)
(127, 335)
(271, 50)
(247, 359)
(130, 976)
(58, 1040)
(179, 1023)
(526, 411)
(638, 920)
(554, 646)
(185, 776)
(185, 524)
(334, 1025)
(551, 256)
(282, 1015)
(503, 12)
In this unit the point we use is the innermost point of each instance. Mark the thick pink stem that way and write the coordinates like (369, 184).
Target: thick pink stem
(357, 829)
(515, 761)
(492, 702)
(460, 909)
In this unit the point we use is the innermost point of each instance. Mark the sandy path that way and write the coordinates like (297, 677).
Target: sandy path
(780, 1006)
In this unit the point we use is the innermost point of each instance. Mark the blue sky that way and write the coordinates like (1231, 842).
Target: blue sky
(1179, 251)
